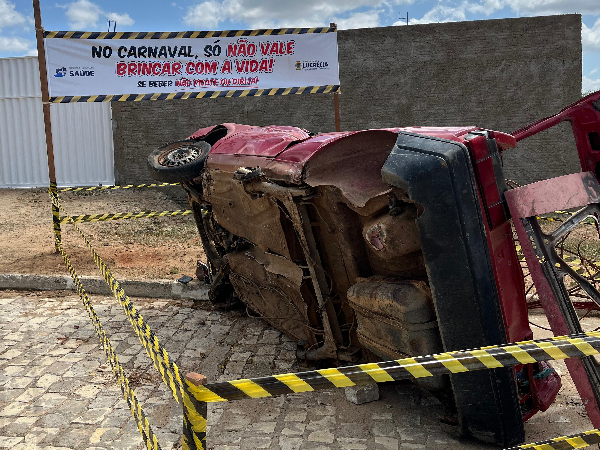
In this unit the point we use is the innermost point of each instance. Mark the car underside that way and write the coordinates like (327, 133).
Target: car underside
(372, 245)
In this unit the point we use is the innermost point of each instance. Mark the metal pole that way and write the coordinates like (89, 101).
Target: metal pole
(39, 34)
(336, 99)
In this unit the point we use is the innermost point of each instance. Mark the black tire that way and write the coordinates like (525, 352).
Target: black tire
(178, 161)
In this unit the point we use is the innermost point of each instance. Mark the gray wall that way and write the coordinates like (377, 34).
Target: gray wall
(498, 74)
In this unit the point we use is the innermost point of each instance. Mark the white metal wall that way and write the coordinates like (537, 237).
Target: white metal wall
(82, 134)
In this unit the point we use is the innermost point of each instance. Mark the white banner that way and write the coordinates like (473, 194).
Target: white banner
(90, 67)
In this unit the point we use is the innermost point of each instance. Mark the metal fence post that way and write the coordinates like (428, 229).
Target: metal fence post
(195, 414)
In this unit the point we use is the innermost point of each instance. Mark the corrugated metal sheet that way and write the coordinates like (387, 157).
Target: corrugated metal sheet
(83, 144)
(82, 134)
(23, 161)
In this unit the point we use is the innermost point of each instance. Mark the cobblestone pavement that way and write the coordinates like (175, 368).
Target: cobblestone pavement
(57, 390)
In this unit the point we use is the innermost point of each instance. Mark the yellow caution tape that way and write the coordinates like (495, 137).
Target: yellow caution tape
(123, 216)
(137, 412)
(580, 440)
(194, 419)
(112, 188)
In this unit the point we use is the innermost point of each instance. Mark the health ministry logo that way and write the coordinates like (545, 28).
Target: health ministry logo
(62, 72)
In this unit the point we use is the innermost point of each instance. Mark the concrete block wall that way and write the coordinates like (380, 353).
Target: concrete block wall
(498, 74)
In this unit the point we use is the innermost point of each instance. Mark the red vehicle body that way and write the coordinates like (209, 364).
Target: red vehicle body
(377, 227)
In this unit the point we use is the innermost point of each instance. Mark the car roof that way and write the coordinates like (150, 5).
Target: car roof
(283, 151)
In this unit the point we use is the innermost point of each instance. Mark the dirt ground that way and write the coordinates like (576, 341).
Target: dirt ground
(567, 414)
(147, 248)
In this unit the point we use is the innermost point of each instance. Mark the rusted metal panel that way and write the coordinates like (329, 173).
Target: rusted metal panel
(525, 203)
(275, 296)
(256, 219)
(264, 141)
(395, 318)
(568, 191)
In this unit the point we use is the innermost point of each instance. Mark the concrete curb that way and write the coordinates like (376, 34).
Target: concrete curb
(194, 290)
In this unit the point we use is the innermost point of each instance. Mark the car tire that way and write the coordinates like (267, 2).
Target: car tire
(178, 161)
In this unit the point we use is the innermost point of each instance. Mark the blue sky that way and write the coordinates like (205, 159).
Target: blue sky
(17, 35)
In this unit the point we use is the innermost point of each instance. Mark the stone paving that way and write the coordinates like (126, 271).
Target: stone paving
(57, 391)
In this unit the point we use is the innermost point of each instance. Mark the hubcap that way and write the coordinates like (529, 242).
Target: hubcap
(180, 156)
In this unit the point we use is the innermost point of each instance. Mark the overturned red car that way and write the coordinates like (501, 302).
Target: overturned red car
(374, 245)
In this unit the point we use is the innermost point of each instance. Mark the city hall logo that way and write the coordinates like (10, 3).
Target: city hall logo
(61, 72)
(311, 65)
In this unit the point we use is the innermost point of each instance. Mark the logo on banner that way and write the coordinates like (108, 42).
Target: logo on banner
(81, 71)
(311, 65)
(74, 72)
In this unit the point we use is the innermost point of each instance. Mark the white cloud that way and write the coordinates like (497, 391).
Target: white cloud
(548, 7)
(32, 52)
(589, 85)
(590, 37)
(276, 13)
(9, 16)
(83, 14)
(451, 11)
(121, 19)
(368, 19)
(205, 15)
(593, 71)
(442, 13)
(14, 44)
(456, 11)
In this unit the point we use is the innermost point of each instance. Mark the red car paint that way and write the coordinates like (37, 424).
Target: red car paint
(283, 153)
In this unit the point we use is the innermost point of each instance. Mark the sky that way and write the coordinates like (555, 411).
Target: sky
(17, 34)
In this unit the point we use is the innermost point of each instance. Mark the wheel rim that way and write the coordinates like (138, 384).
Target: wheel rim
(179, 156)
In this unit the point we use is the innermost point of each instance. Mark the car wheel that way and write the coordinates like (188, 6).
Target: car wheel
(178, 161)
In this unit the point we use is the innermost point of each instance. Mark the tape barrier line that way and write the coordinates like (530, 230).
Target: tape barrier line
(564, 213)
(52, 190)
(574, 262)
(484, 358)
(182, 34)
(123, 216)
(137, 412)
(194, 422)
(580, 440)
(167, 368)
(325, 89)
(112, 188)
(194, 414)
(149, 340)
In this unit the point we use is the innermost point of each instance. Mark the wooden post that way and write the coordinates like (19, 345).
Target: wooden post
(195, 415)
(39, 34)
(336, 106)
(336, 99)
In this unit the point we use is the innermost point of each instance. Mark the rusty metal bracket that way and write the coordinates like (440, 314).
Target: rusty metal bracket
(548, 269)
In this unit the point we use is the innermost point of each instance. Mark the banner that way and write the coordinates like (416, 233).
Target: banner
(94, 67)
